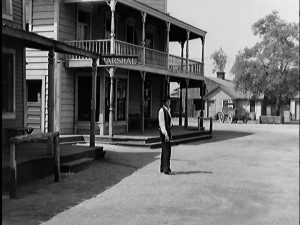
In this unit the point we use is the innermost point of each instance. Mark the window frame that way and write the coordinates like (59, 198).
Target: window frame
(11, 115)
(9, 16)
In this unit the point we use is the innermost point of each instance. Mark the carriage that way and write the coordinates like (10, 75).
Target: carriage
(232, 114)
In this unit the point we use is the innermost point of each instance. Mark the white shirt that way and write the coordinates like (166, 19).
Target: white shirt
(161, 119)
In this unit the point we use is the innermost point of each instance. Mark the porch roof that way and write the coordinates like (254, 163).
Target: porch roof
(33, 40)
(194, 31)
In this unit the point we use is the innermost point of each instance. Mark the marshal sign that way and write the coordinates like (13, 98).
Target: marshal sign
(119, 60)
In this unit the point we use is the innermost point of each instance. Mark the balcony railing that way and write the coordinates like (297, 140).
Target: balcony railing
(152, 57)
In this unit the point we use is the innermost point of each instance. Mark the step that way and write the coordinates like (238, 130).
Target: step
(73, 142)
(76, 165)
(71, 139)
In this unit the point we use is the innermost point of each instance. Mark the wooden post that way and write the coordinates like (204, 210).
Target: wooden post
(13, 171)
(56, 150)
(203, 42)
(210, 125)
(202, 103)
(182, 46)
(180, 106)
(112, 5)
(51, 99)
(186, 104)
(167, 85)
(144, 37)
(168, 42)
(142, 113)
(51, 91)
(187, 50)
(93, 103)
(111, 101)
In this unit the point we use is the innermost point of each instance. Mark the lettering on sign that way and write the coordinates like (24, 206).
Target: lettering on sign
(119, 60)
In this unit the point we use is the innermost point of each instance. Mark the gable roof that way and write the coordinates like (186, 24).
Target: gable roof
(226, 86)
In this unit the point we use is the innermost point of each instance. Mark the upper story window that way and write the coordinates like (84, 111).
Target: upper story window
(83, 25)
(7, 12)
(8, 84)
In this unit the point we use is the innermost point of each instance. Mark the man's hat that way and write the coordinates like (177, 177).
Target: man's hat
(166, 98)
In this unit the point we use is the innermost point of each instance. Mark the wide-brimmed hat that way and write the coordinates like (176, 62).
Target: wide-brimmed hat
(166, 98)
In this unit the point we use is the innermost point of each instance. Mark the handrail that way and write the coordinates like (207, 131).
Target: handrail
(53, 142)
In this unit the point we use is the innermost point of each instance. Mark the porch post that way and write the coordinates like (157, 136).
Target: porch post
(111, 101)
(51, 102)
(202, 103)
(167, 84)
(167, 44)
(182, 46)
(142, 124)
(186, 103)
(102, 102)
(144, 37)
(203, 42)
(187, 50)
(180, 105)
(112, 5)
(93, 103)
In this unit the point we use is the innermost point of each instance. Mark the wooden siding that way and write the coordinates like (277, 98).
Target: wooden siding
(67, 102)
(157, 4)
(42, 23)
(34, 115)
(17, 20)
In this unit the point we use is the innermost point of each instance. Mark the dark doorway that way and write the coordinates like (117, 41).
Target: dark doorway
(84, 98)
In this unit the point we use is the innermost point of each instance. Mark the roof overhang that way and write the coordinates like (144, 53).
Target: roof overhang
(32, 40)
(194, 31)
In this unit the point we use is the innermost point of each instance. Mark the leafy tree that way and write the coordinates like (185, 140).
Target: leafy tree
(271, 67)
(219, 60)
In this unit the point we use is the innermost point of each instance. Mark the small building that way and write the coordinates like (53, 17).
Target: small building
(295, 107)
(221, 91)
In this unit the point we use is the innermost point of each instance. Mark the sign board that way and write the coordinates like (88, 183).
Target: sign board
(119, 60)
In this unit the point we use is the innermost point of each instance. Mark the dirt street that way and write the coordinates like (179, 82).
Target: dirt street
(247, 174)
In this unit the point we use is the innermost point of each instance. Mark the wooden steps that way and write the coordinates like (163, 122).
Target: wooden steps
(76, 165)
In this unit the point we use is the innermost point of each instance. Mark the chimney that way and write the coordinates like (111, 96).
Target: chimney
(221, 75)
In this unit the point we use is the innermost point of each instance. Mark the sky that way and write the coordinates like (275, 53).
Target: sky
(228, 24)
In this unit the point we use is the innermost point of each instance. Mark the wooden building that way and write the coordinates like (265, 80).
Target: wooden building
(136, 70)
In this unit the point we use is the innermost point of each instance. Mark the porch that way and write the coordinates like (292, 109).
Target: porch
(34, 163)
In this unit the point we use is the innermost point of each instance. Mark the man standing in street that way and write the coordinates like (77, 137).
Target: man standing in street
(165, 124)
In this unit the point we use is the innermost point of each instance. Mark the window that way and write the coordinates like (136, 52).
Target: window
(7, 12)
(121, 99)
(8, 84)
(149, 41)
(83, 25)
(225, 102)
(34, 90)
(131, 34)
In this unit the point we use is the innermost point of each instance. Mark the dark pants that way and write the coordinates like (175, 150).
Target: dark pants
(165, 153)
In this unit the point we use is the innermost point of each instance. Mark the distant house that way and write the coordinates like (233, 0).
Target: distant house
(221, 91)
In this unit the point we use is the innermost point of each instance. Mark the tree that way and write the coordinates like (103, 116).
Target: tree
(271, 67)
(219, 60)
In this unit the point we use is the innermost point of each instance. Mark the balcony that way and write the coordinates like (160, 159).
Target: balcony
(153, 58)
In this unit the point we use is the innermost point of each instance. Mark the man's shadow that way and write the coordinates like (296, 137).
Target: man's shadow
(191, 172)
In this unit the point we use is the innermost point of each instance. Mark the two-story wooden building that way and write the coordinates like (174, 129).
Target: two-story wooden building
(134, 74)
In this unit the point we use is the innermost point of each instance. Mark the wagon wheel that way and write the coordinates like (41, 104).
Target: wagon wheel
(230, 118)
(221, 117)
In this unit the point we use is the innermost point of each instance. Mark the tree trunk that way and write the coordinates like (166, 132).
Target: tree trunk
(277, 106)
